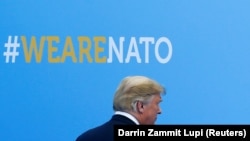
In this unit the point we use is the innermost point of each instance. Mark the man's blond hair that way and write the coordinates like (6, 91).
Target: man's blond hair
(134, 88)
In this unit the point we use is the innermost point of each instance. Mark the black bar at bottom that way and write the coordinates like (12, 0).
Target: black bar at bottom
(187, 132)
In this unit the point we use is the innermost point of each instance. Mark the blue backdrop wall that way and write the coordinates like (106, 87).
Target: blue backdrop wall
(61, 61)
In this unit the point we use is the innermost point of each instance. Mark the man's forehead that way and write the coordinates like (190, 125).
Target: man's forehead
(158, 97)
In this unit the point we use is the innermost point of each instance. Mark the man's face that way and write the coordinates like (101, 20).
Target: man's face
(152, 109)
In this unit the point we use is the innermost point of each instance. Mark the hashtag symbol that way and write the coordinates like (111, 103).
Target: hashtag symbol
(11, 49)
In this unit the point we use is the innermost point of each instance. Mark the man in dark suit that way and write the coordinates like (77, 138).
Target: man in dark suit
(136, 102)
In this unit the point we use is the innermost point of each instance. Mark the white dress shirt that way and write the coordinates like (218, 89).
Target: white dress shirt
(128, 116)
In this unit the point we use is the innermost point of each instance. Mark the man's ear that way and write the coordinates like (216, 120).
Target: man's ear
(140, 106)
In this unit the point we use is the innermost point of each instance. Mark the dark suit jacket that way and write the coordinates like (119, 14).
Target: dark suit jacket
(105, 132)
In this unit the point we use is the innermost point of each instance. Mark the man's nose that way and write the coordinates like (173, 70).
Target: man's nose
(159, 112)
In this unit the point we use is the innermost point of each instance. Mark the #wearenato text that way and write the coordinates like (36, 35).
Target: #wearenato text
(94, 49)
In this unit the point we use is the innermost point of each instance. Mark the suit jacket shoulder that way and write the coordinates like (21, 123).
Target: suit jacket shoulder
(105, 132)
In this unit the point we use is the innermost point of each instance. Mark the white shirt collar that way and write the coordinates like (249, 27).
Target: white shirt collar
(127, 115)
